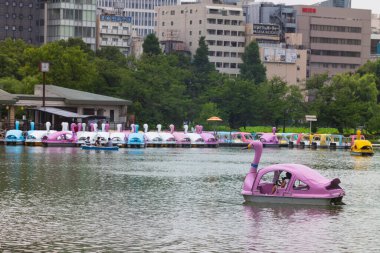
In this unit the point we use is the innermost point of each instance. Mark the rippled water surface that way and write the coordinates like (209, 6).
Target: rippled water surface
(176, 200)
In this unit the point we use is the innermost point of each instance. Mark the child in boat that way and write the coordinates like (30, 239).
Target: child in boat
(283, 183)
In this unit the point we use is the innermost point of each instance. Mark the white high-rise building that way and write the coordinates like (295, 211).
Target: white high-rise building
(141, 12)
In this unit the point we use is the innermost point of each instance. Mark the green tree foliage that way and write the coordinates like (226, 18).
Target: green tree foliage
(347, 101)
(151, 45)
(156, 87)
(201, 62)
(112, 54)
(69, 66)
(77, 42)
(236, 101)
(12, 57)
(202, 71)
(252, 68)
(372, 67)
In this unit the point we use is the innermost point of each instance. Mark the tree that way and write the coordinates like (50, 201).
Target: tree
(151, 45)
(252, 68)
(70, 67)
(201, 62)
(112, 54)
(202, 69)
(12, 57)
(347, 101)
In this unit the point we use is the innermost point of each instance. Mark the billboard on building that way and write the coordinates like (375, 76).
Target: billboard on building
(276, 54)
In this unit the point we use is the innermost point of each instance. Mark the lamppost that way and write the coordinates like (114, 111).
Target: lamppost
(44, 67)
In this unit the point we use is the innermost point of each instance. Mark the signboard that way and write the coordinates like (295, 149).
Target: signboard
(120, 19)
(311, 118)
(44, 67)
(266, 29)
(277, 54)
(309, 10)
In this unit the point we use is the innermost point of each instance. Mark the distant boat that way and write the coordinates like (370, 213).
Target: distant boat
(113, 148)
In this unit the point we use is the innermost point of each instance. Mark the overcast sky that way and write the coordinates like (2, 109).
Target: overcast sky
(374, 5)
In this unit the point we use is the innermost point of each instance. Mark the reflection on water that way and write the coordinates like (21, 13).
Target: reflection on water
(176, 200)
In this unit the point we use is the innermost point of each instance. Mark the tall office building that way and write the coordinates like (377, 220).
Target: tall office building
(141, 12)
(338, 39)
(22, 19)
(72, 18)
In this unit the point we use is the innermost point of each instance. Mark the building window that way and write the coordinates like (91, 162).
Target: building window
(191, 22)
(190, 43)
(163, 23)
(200, 32)
(171, 23)
(200, 22)
(172, 12)
(190, 33)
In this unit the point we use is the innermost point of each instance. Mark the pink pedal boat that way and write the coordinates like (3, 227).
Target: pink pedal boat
(289, 184)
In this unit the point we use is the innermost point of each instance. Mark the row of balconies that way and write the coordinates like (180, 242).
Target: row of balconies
(115, 43)
(115, 31)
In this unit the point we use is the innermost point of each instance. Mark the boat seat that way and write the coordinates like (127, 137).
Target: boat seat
(265, 188)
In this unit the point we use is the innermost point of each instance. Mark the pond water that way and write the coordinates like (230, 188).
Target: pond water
(176, 200)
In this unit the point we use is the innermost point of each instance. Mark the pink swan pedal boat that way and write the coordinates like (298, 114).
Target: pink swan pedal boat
(289, 184)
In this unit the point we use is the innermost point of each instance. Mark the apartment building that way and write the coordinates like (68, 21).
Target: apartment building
(222, 25)
(141, 12)
(114, 30)
(72, 18)
(375, 36)
(22, 19)
(338, 39)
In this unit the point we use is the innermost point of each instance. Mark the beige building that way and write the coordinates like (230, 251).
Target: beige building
(222, 25)
(338, 38)
(284, 60)
(289, 64)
